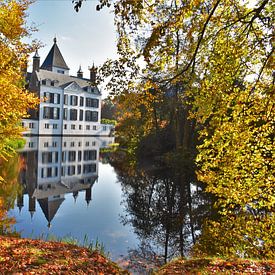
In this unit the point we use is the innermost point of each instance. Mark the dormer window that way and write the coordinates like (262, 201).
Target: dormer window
(60, 71)
(54, 83)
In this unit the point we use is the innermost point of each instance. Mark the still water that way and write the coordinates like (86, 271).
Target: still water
(143, 215)
(68, 191)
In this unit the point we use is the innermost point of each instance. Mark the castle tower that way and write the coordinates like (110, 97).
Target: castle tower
(54, 61)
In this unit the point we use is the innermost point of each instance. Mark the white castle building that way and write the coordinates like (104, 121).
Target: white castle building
(70, 105)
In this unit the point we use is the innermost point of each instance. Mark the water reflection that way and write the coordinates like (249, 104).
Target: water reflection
(55, 166)
(166, 208)
(9, 188)
(162, 209)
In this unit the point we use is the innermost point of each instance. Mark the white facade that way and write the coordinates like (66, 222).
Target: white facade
(69, 105)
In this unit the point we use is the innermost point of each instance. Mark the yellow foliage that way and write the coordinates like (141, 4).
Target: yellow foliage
(15, 100)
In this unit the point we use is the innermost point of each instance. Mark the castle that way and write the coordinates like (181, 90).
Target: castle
(70, 105)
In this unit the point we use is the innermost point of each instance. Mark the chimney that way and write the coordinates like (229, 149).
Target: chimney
(80, 73)
(93, 75)
(36, 62)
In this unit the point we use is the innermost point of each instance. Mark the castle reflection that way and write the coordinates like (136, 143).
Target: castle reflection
(55, 166)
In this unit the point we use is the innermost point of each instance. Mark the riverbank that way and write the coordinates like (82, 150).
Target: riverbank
(26, 256)
(218, 266)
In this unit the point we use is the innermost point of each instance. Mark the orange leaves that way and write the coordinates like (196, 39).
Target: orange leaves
(39, 257)
(218, 266)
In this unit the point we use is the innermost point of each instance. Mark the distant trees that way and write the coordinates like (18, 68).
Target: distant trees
(108, 109)
(15, 100)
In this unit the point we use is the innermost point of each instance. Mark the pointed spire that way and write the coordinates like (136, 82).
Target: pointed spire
(54, 59)
(75, 195)
(80, 72)
(36, 55)
(36, 61)
(88, 195)
(93, 71)
(20, 202)
(32, 213)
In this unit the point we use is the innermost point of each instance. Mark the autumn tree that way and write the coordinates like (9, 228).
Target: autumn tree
(219, 58)
(15, 99)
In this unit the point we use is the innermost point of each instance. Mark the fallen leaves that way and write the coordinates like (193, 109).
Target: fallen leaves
(25, 256)
(218, 266)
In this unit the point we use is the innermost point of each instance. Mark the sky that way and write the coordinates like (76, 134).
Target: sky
(83, 38)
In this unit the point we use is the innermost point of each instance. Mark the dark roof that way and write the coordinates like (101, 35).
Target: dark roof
(65, 80)
(54, 59)
(50, 208)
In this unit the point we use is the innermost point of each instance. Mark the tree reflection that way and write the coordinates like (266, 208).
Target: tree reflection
(9, 188)
(165, 205)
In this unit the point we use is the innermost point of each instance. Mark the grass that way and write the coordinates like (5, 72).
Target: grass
(86, 242)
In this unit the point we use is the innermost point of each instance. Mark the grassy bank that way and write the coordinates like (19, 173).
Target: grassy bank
(25, 256)
(217, 266)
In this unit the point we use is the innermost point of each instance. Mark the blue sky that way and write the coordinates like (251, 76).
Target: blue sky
(83, 38)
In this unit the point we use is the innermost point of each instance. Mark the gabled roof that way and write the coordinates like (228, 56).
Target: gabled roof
(54, 59)
(72, 85)
(65, 80)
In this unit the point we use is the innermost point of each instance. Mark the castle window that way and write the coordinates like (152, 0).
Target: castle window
(47, 125)
(80, 115)
(56, 99)
(73, 114)
(51, 112)
(65, 99)
(52, 98)
(72, 156)
(65, 114)
(65, 126)
(55, 113)
(47, 157)
(49, 173)
(54, 126)
(87, 127)
(74, 100)
(89, 168)
(55, 171)
(90, 155)
(92, 102)
(63, 156)
(71, 170)
(94, 127)
(79, 155)
(72, 127)
(78, 169)
(81, 101)
(91, 116)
